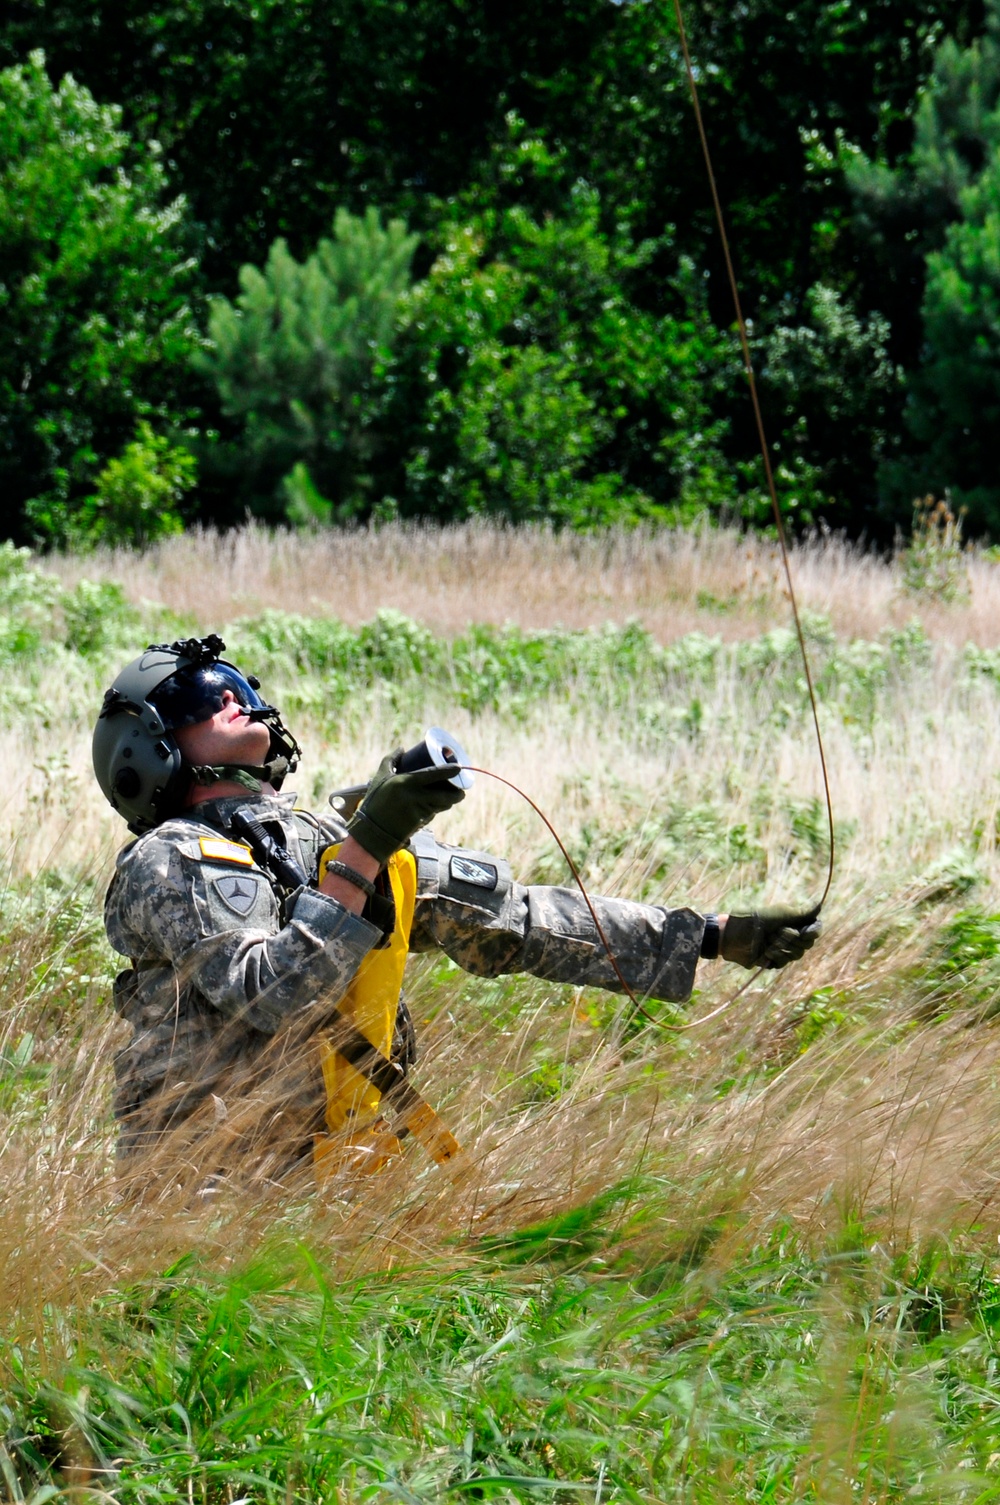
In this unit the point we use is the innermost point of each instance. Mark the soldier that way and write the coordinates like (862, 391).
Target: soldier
(267, 944)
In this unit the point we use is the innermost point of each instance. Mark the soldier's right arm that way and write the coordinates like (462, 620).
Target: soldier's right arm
(177, 900)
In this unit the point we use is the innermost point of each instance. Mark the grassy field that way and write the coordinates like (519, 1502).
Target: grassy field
(749, 1259)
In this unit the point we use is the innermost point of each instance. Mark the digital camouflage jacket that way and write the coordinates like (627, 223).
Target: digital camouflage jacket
(222, 966)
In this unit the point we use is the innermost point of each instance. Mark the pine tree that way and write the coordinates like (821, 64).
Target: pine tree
(293, 358)
(948, 197)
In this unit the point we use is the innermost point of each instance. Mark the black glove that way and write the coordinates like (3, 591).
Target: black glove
(397, 804)
(770, 937)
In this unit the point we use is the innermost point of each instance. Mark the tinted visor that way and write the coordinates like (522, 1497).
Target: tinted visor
(193, 695)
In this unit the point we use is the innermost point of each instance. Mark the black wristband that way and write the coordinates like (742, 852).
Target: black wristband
(351, 875)
(711, 938)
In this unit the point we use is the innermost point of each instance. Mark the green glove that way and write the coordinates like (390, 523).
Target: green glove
(397, 804)
(769, 937)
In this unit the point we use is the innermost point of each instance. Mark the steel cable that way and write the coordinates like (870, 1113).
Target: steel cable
(761, 435)
(783, 544)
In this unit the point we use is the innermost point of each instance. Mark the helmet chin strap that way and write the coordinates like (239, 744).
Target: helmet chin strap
(252, 776)
(283, 744)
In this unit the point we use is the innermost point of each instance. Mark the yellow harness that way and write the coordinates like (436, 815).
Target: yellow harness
(357, 1133)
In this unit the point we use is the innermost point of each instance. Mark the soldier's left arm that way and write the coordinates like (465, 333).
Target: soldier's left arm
(470, 907)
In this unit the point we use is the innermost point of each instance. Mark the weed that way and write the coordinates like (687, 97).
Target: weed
(966, 968)
(933, 562)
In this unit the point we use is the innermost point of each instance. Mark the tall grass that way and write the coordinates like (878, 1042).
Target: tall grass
(673, 582)
(753, 1259)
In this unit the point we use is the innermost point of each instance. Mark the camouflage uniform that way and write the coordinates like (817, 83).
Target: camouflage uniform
(221, 969)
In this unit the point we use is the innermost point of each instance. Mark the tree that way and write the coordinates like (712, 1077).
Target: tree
(528, 385)
(96, 328)
(945, 199)
(836, 394)
(293, 358)
(273, 113)
(955, 408)
(903, 207)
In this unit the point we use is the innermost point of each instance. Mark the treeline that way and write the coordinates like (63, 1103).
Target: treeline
(323, 260)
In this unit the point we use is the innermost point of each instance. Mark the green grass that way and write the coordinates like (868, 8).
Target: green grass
(321, 664)
(576, 1361)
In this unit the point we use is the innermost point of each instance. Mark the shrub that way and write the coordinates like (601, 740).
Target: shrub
(534, 387)
(840, 394)
(138, 495)
(96, 617)
(304, 506)
(934, 560)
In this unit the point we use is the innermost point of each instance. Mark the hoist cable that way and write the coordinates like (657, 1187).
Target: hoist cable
(783, 544)
(761, 435)
(577, 878)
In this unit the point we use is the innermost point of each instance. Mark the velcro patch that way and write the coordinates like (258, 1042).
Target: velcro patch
(479, 874)
(238, 893)
(217, 849)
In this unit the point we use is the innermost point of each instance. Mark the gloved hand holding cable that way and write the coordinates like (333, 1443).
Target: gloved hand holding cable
(769, 937)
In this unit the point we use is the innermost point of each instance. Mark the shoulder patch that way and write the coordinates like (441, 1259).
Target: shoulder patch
(238, 893)
(217, 849)
(469, 870)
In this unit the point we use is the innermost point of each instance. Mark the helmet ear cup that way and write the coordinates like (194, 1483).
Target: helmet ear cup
(127, 783)
(136, 760)
(140, 770)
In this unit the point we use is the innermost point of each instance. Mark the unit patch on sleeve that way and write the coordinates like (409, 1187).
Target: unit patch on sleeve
(217, 849)
(238, 892)
(480, 874)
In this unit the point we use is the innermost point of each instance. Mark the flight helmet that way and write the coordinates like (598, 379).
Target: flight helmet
(137, 761)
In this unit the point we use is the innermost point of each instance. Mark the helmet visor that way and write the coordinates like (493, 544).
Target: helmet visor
(196, 694)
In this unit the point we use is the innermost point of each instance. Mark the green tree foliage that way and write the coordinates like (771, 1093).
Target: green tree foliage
(535, 387)
(271, 115)
(95, 323)
(945, 203)
(904, 208)
(956, 400)
(293, 358)
(399, 100)
(837, 393)
(305, 505)
(138, 495)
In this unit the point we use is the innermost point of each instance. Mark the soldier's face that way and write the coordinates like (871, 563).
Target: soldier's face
(226, 737)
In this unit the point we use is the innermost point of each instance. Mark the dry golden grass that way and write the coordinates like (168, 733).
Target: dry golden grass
(891, 1126)
(721, 582)
(881, 1119)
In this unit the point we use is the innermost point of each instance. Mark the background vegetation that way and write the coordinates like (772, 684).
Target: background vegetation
(436, 261)
(341, 260)
(745, 1257)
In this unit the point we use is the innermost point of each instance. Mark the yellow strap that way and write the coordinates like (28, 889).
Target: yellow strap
(353, 1105)
(370, 1004)
(433, 1133)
